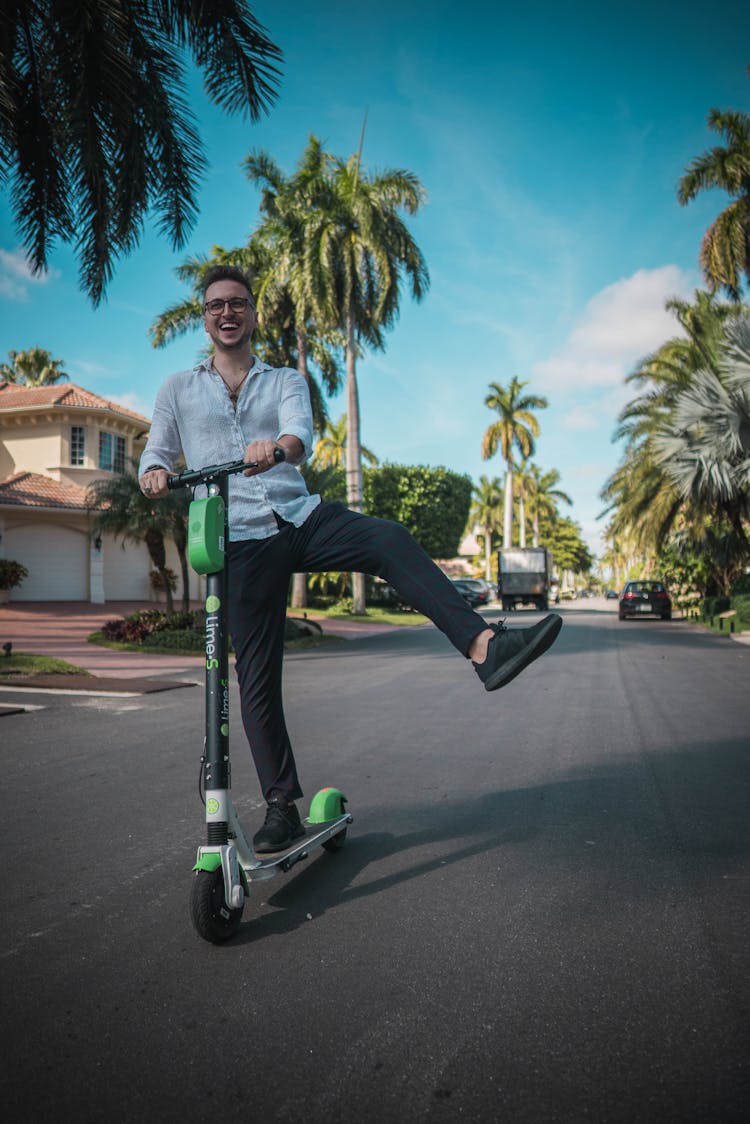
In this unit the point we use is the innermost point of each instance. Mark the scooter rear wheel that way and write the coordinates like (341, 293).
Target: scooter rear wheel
(212, 917)
(336, 842)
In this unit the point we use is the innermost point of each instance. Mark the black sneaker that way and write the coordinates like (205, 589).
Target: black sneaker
(281, 828)
(511, 650)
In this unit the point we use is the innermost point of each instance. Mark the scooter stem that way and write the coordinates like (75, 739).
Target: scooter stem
(217, 769)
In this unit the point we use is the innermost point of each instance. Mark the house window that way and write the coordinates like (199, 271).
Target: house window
(119, 459)
(111, 452)
(77, 444)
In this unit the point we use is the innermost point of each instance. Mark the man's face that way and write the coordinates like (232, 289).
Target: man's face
(230, 329)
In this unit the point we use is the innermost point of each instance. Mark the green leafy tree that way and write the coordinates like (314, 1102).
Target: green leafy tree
(432, 503)
(569, 549)
(34, 367)
(95, 124)
(725, 250)
(516, 428)
(686, 571)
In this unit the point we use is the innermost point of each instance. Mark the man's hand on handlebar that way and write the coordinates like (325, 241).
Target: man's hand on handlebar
(262, 456)
(154, 483)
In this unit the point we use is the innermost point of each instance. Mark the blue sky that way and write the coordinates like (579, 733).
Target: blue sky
(549, 138)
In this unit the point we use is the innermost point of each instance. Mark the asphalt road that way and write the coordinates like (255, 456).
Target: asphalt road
(540, 913)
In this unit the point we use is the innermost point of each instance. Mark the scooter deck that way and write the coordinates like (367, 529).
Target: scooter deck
(315, 835)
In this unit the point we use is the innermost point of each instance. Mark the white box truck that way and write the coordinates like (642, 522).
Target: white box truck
(524, 576)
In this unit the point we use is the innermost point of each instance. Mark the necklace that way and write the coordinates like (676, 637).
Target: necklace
(233, 391)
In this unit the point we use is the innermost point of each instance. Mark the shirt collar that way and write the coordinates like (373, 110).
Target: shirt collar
(207, 365)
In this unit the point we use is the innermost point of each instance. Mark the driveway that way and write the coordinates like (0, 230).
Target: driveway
(60, 628)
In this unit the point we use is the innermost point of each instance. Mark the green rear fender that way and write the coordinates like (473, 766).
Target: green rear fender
(327, 805)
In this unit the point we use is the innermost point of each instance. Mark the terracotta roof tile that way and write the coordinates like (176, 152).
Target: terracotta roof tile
(29, 489)
(15, 397)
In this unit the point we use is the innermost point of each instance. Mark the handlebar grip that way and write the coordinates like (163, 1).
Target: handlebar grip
(212, 472)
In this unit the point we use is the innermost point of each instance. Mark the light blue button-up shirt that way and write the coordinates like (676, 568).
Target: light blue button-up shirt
(193, 415)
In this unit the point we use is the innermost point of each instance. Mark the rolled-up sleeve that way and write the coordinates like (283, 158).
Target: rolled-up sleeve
(163, 444)
(295, 410)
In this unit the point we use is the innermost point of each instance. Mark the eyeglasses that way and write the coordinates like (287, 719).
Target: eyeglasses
(237, 304)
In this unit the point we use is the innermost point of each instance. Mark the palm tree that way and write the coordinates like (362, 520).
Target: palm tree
(276, 340)
(359, 249)
(330, 448)
(119, 508)
(34, 367)
(642, 498)
(487, 514)
(725, 250)
(95, 124)
(704, 447)
(544, 496)
(328, 481)
(285, 281)
(516, 428)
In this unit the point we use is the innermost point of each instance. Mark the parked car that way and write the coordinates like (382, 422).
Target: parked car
(475, 591)
(645, 598)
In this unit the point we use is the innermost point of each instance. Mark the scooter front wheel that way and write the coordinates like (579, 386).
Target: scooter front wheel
(212, 917)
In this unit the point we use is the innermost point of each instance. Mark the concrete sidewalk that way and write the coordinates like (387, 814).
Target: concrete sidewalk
(58, 628)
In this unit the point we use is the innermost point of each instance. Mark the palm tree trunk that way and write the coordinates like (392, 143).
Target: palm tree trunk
(299, 591)
(299, 581)
(155, 546)
(353, 452)
(487, 553)
(302, 355)
(185, 571)
(508, 512)
(535, 534)
(521, 523)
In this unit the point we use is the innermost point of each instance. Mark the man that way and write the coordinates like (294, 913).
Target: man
(233, 407)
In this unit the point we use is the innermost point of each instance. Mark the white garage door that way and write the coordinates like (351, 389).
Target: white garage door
(57, 559)
(125, 571)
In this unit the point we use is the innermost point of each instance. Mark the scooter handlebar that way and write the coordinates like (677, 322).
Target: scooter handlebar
(193, 476)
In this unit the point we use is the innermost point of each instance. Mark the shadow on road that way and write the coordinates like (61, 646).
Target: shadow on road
(687, 807)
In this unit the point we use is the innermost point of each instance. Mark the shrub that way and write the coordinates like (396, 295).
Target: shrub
(11, 573)
(712, 606)
(147, 622)
(188, 639)
(741, 604)
(343, 605)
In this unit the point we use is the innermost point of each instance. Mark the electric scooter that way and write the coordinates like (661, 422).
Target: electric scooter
(227, 864)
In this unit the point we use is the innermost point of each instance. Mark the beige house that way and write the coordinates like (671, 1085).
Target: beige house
(54, 440)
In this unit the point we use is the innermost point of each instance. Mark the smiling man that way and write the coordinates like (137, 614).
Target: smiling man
(233, 407)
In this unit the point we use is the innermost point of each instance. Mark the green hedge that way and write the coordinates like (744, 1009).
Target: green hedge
(184, 639)
(712, 606)
(741, 604)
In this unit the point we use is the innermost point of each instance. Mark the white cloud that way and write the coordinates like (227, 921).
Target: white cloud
(580, 419)
(620, 325)
(16, 275)
(130, 402)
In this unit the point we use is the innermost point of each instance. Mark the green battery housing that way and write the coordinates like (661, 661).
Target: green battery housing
(206, 535)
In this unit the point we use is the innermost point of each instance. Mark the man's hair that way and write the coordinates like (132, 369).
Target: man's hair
(227, 273)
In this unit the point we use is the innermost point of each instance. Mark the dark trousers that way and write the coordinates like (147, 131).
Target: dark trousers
(332, 538)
